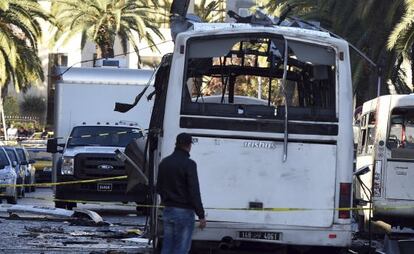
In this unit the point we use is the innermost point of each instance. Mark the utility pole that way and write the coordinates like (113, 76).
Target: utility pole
(191, 6)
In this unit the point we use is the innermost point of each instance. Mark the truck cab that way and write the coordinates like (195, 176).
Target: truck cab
(89, 153)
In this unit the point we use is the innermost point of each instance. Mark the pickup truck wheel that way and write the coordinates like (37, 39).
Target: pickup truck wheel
(70, 205)
(59, 204)
(12, 200)
(20, 192)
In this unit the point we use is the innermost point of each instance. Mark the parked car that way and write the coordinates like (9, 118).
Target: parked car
(42, 165)
(18, 167)
(29, 169)
(7, 176)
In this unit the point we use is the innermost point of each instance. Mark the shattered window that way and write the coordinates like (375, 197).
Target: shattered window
(401, 130)
(242, 76)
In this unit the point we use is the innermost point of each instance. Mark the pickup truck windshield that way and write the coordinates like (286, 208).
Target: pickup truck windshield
(102, 136)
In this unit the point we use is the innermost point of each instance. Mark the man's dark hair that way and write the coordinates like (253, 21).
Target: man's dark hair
(183, 139)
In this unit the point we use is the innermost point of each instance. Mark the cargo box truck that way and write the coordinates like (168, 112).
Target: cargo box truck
(89, 130)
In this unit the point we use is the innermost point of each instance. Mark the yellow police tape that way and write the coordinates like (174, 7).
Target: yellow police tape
(65, 183)
(266, 209)
(279, 209)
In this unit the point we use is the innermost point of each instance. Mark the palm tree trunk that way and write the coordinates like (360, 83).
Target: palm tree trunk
(3, 119)
(107, 51)
(412, 68)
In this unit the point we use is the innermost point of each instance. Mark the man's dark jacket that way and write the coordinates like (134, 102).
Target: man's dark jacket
(177, 182)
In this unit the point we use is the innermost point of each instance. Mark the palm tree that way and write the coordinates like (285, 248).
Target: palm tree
(210, 11)
(366, 24)
(401, 39)
(19, 34)
(101, 21)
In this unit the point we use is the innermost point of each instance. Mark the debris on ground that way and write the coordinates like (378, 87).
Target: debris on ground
(108, 233)
(45, 229)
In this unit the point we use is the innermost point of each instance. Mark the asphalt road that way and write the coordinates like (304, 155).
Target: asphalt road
(39, 234)
(28, 233)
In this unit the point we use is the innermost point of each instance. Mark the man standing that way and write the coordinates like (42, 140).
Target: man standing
(178, 186)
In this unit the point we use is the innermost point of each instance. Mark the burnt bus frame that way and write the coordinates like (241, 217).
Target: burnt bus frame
(267, 118)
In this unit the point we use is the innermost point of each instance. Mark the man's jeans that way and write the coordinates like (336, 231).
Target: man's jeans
(178, 230)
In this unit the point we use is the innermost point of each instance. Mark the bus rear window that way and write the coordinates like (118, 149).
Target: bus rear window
(401, 130)
(241, 76)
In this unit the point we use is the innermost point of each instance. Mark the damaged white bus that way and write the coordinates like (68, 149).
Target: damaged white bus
(270, 110)
(386, 146)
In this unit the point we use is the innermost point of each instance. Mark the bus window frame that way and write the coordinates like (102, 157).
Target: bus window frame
(371, 129)
(365, 144)
(389, 124)
(276, 112)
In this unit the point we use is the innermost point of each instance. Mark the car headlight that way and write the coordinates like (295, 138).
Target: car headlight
(67, 166)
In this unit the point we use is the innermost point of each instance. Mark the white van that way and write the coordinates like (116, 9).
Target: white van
(274, 144)
(386, 146)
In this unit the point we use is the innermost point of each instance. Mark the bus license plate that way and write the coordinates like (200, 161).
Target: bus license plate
(104, 186)
(271, 236)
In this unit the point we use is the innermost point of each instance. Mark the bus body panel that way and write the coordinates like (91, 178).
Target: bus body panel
(399, 180)
(292, 235)
(251, 171)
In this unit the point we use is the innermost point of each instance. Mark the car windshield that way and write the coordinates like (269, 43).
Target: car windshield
(102, 136)
(12, 155)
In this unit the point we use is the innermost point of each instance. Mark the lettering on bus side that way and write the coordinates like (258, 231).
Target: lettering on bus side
(259, 145)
